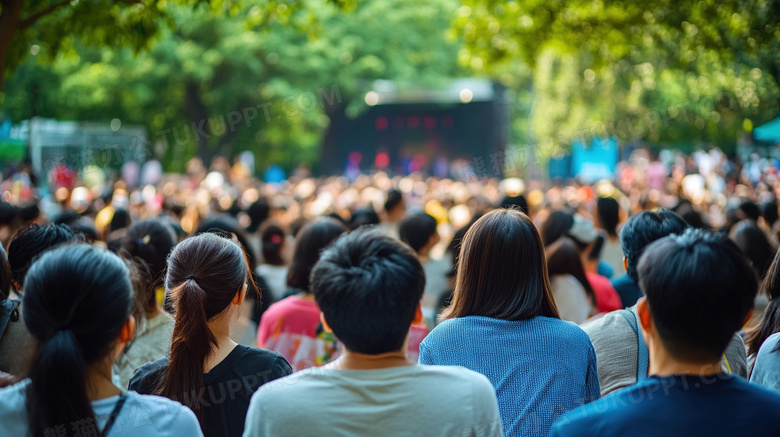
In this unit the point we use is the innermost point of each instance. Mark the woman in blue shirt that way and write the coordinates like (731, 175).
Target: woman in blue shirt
(503, 323)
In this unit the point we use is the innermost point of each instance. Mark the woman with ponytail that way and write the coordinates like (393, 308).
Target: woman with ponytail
(76, 305)
(207, 280)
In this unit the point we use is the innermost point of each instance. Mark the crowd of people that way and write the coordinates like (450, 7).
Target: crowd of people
(211, 303)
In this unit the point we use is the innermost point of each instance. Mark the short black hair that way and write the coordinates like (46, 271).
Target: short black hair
(417, 229)
(394, 198)
(364, 217)
(750, 210)
(699, 288)
(32, 241)
(644, 228)
(368, 285)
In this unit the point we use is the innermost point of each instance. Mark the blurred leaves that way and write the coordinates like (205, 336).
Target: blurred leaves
(231, 55)
(599, 61)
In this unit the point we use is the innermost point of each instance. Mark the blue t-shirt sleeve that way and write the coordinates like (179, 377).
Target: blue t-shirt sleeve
(425, 356)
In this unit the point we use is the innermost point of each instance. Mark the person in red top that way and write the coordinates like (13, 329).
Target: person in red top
(606, 295)
(589, 244)
(292, 326)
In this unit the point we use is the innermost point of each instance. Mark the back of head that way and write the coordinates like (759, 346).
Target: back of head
(691, 216)
(368, 286)
(258, 212)
(311, 240)
(644, 228)
(394, 199)
(769, 212)
(502, 272)
(120, 220)
(699, 289)
(608, 211)
(364, 217)
(563, 258)
(416, 230)
(749, 210)
(76, 301)
(754, 244)
(221, 224)
(557, 225)
(519, 202)
(273, 238)
(149, 242)
(205, 272)
(30, 242)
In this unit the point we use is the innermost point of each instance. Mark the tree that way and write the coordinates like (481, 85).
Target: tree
(276, 75)
(601, 61)
(45, 26)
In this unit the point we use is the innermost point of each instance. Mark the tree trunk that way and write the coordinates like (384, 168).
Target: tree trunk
(9, 17)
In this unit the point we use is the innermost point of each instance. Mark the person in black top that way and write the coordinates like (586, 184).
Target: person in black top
(207, 371)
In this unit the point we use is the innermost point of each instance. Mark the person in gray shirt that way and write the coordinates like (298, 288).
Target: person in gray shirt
(368, 287)
(621, 352)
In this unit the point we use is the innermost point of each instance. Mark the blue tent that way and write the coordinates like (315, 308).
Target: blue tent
(768, 132)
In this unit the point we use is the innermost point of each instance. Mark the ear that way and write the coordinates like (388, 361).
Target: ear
(418, 316)
(325, 325)
(643, 311)
(16, 285)
(748, 317)
(625, 263)
(128, 330)
(238, 299)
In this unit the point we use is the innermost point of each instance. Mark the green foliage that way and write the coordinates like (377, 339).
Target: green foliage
(597, 62)
(214, 61)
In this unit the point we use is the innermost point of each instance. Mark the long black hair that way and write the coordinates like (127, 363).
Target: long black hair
(76, 301)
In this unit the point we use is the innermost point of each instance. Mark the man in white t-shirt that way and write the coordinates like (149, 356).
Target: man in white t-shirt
(368, 287)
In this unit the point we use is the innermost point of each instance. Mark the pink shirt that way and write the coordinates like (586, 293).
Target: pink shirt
(290, 327)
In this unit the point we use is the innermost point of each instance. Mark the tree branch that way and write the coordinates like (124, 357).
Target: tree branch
(29, 21)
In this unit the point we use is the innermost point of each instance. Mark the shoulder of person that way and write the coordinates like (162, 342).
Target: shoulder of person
(611, 325)
(768, 346)
(13, 397)
(594, 418)
(167, 416)
(145, 377)
(265, 359)
(459, 374)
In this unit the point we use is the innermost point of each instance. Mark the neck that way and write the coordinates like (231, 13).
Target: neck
(154, 312)
(99, 382)
(356, 361)
(665, 365)
(220, 328)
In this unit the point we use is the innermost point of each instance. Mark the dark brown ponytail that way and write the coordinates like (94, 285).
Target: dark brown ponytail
(204, 274)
